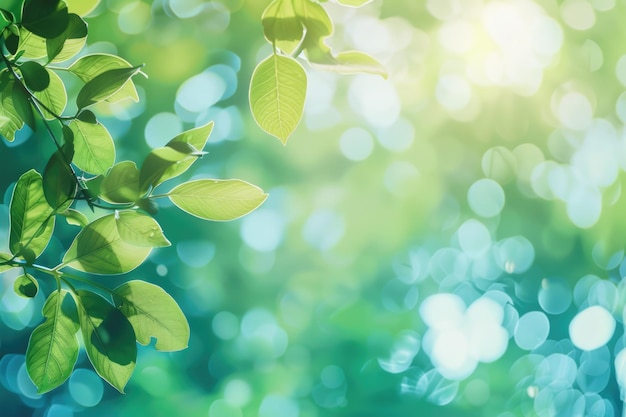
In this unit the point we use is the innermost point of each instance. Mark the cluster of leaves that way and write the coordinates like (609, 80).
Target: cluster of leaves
(278, 86)
(81, 178)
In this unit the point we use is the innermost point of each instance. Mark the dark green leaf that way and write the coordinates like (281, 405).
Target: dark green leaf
(218, 200)
(87, 116)
(99, 249)
(36, 77)
(22, 105)
(104, 85)
(59, 182)
(32, 220)
(53, 347)
(53, 97)
(121, 185)
(281, 26)
(45, 18)
(26, 286)
(153, 313)
(140, 230)
(71, 41)
(354, 3)
(94, 150)
(109, 339)
(11, 121)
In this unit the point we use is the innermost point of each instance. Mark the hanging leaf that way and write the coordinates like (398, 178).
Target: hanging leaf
(53, 347)
(104, 85)
(109, 339)
(53, 97)
(59, 182)
(12, 121)
(158, 164)
(4, 258)
(68, 43)
(99, 249)
(350, 62)
(22, 105)
(26, 286)
(277, 94)
(94, 150)
(281, 26)
(90, 66)
(140, 230)
(153, 313)
(218, 200)
(32, 220)
(35, 76)
(121, 185)
(45, 18)
(82, 7)
(34, 46)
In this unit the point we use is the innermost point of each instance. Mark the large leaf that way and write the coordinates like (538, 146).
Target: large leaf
(69, 42)
(350, 62)
(11, 120)
(281, 26)
(277, 94)
(54, 97)
(218, 200)
(53, 347)
(35, 76)
(109, 339)
(59, 183)
(104, 86)
(32, 220)
(153, 313)
(94, 150)
(45, 18)
(90, 66)
(121, 185)
(140, 230)
(99, 249)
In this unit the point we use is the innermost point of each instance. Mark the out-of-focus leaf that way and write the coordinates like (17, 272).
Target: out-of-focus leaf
(45, 18)
(140, 230)
(121, 185)
(99, 249)
(218, 200)
(104, 86)
(281, 26)
(277, 94)
(82, 7)
(354, 3)
(153, 313)
(32, 221)
(94, 150)
(26, 286)
(90, 66)
(68, 43)
(4, 257)
(53, 347)
(109, 339)
(6, 18)
(36, 77)
(53, 97)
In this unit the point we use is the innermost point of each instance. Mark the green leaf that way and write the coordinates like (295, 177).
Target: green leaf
(75, 218)
(140, 230)
(45, 18)
(12, 120)
(281, 26)
(90, 66)
(82, 7)
(68, 43)
(316, 21)
(59, 183)
(159, 166)
(109, 339)
(4, 257)
(350, 62)
(121, 185)
(6, 18)
(99, 249)
(153, 313)
(53, 97)
(32, 220)
(87, 116)
(104, 86)
(94, 150)
(277, 94)
(219, 200)
(36, 77)
(34, 46)
(354, 3)
(26, 286)
(53, 347)
(93, 185)
(21, 104)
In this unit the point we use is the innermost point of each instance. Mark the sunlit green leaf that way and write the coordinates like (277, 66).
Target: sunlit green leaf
(93, 185)
(140, 230)
(32, 220)
(35, 76)
(34, 46)
(21, 104)
(26, 286)
(54, 97)
(354, 3)
(94, 150)
(45, 18)
(109, 339)
(218, 200)
(350, 62)
(99, 249)
(59, 182)
(121, 184)
(68, 43)
(281, 26)
(90, 66)
(104, 86)
(53, 347)
(75, 218)
(4, 258)
(153, 313)
(159, 163)
(12, 122)
(277, 94)
(82, 7)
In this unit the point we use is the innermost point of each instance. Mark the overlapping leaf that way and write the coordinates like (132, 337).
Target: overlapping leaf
(94, 150)
(121, 185)
(53, 97)
(281, 26)
(90, 66)
(26, 286)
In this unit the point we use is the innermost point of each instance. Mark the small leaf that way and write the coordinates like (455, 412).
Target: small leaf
(218, 200)
(99, 249)
(32, 220)
(59, 183)
(94, 150)
(34, 46)
(22, 105)
(354, 3)
(153, 313)
(12, 120)
(109, 339)
(281, 26)
(45, 18)
(68, 43)
(26, 286)
(104, 85)
(121, 185)
(53, 347)
(6, 18)
(92, 186)
(75, 218)
(277, 94)
(36, 77)
(140, 230)
(53, 97)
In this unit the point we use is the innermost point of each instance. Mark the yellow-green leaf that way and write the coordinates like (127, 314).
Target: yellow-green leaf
(281, 26)
(94, 150)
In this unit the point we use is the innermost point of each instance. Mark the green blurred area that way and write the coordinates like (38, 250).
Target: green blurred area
(293, 308)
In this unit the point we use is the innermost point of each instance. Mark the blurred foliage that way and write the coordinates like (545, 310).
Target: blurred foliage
(445, 242)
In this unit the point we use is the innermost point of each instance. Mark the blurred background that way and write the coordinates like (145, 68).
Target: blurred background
(447, 242)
